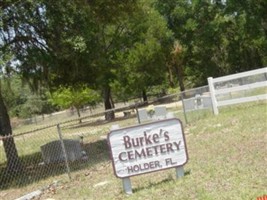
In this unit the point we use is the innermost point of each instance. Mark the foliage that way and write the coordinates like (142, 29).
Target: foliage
(65, 42)
(144, 61)
(36, 105)
(81, 39)
(128, 45)
(20, 100)
(77, 97)
(219, 37)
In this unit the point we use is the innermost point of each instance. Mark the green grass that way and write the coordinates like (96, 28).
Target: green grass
(227, 160)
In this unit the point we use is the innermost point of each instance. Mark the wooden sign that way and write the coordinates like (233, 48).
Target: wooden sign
(147, 148)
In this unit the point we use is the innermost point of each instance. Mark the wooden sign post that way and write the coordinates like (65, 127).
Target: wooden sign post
(147, 148)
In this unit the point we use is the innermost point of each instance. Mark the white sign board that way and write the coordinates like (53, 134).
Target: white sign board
(148, 147)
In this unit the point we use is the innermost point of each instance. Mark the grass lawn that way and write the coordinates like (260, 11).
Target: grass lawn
(227, 160)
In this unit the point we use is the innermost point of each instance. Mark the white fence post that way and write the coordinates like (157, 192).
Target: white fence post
(213, 97)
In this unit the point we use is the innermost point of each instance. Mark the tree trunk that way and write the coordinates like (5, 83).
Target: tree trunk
(180, 75)
(144, 96)
(13, 161)
(109, 115)
(111, 101)
(170, 76)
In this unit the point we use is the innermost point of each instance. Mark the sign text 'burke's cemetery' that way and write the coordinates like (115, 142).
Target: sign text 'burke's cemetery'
(148, 147)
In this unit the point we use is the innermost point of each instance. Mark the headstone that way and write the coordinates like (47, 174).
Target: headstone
(189, 104)
(197, 102)
(160, 112)
(52, 152)
(143, 115)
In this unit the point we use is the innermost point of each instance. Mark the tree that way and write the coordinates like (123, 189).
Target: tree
(87, 51)
(76, 96)
(143, 61)
(46, 35)
(218, 37)
(105, 44)
(13, 161)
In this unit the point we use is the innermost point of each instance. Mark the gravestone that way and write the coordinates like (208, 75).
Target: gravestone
(189, 104)
(143, 115)
(52, 152)
(197, 102)
(160, 112)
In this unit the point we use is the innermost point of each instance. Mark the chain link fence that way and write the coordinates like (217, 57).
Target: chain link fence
(60, 144)
(54, 147)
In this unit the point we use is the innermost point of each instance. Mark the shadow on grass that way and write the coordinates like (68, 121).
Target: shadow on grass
(154, 184)
(35, 170)
(169, 179)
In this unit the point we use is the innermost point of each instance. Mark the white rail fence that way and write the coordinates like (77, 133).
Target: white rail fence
(238, 88)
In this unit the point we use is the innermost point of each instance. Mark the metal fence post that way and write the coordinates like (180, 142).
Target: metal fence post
(213, 97)
(64, 151)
